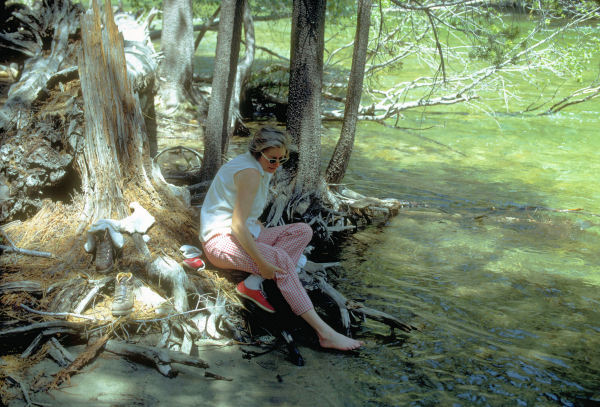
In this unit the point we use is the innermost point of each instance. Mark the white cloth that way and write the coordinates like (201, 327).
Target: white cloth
(189, 251)
(138, 222)
(217, 209)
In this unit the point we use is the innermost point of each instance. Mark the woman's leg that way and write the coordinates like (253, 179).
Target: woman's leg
(224, 251)
(328, 337)
(292, 238)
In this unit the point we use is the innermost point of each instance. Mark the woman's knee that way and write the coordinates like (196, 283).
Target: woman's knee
(303, 229)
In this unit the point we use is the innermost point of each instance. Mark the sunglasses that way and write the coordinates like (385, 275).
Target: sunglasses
(280, 160)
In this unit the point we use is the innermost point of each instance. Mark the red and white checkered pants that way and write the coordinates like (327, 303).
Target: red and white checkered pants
(279, 245)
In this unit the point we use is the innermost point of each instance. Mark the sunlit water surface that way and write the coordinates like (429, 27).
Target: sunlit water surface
(503, 286)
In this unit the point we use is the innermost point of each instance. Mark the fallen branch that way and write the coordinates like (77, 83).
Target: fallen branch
(91, 294)
(57, 314)
(161, 358)
(9, 249)
(21, 286)
(23, 387)
(380, 316)
(32, 347)
(83, 359)
(57, 352)
(59, 326)
(216, 376)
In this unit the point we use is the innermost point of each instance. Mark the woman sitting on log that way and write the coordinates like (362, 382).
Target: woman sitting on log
(233, 237)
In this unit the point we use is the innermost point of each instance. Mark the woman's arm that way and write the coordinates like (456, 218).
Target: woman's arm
(247, 182)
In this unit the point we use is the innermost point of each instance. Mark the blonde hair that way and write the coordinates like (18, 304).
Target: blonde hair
(267, 137)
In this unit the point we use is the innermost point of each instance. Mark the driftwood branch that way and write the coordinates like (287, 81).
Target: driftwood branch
(161, 358)
(57, 314)
(579, 96)
(21, 286)
(9, 249)
(58, 326)
(380, 316)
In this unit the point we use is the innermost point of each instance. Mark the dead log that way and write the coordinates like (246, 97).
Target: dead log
(36, 157)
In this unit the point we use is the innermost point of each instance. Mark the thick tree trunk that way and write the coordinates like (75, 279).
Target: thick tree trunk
(54, 129)
(177, 45)
(306, 75)
(341, 155)
(115, 143)
(299, 181)
(216, 134)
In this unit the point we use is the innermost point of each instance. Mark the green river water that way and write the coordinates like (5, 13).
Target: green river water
(503, 285)
(504, 289)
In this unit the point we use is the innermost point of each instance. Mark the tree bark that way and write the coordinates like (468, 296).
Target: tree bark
(177, 45)
(299, 181)
(115, 143)
(243, 69)
(306, 76)
(341, 155)
(216, 134)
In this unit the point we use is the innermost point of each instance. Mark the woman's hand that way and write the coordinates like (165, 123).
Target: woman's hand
(268, 270)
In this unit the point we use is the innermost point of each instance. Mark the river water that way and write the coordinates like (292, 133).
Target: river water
(503, 286)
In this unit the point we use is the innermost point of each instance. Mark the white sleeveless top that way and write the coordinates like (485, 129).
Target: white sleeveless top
(217, 209)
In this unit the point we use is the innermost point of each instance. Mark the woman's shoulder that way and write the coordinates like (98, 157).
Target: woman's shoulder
(242, 162)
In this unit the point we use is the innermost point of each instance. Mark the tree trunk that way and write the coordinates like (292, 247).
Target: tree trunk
(300, 179)
(216, 134)
(341, 155)
(306, 75)
(115, 143)
(243, 69)
(177, 45)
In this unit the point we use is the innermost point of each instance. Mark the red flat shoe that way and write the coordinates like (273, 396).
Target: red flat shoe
(195, 264)
(256, 296)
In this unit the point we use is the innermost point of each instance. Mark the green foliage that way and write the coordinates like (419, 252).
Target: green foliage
(140, 6)
(494, 43)
(341, 8)
(204, 9)
(268, 7)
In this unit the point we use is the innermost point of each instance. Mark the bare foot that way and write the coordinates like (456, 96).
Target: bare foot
(335, 340)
